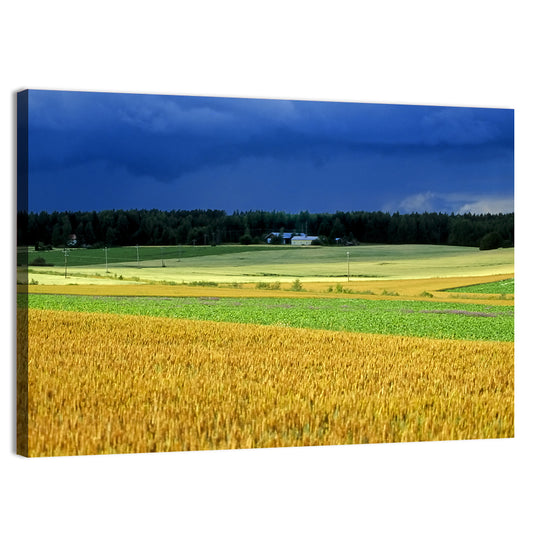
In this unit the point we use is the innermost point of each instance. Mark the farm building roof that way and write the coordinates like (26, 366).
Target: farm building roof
(284, 235)
(304, 238)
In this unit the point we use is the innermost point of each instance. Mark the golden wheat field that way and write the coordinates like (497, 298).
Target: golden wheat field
(116, 384)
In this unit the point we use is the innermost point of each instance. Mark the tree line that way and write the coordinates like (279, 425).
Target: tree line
(211, 227)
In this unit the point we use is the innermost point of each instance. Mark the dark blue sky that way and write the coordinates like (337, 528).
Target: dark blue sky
(94, 151)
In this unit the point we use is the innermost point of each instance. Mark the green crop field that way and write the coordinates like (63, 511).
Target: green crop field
(411, 318)
(505, 286)
(128, 254)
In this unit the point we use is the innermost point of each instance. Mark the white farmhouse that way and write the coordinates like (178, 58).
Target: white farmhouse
(303, 240)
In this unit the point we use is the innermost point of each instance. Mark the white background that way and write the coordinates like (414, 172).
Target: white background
(453, 53)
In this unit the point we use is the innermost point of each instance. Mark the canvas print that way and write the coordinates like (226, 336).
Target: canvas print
(210, 273)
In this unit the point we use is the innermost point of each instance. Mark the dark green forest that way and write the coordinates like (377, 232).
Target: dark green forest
(212, 227)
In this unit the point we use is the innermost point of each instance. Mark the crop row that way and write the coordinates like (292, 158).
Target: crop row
(116, 384)
(393, 317)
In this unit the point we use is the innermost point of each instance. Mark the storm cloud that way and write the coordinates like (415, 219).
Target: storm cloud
(195, 152)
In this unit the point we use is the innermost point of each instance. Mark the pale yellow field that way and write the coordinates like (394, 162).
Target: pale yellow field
(284, 264)
(417, 289)
(117, 384)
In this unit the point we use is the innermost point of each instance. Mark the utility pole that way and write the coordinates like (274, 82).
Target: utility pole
(162, 262)
(65, 251)
(106, 269)
(138, 265)
(348, 261)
